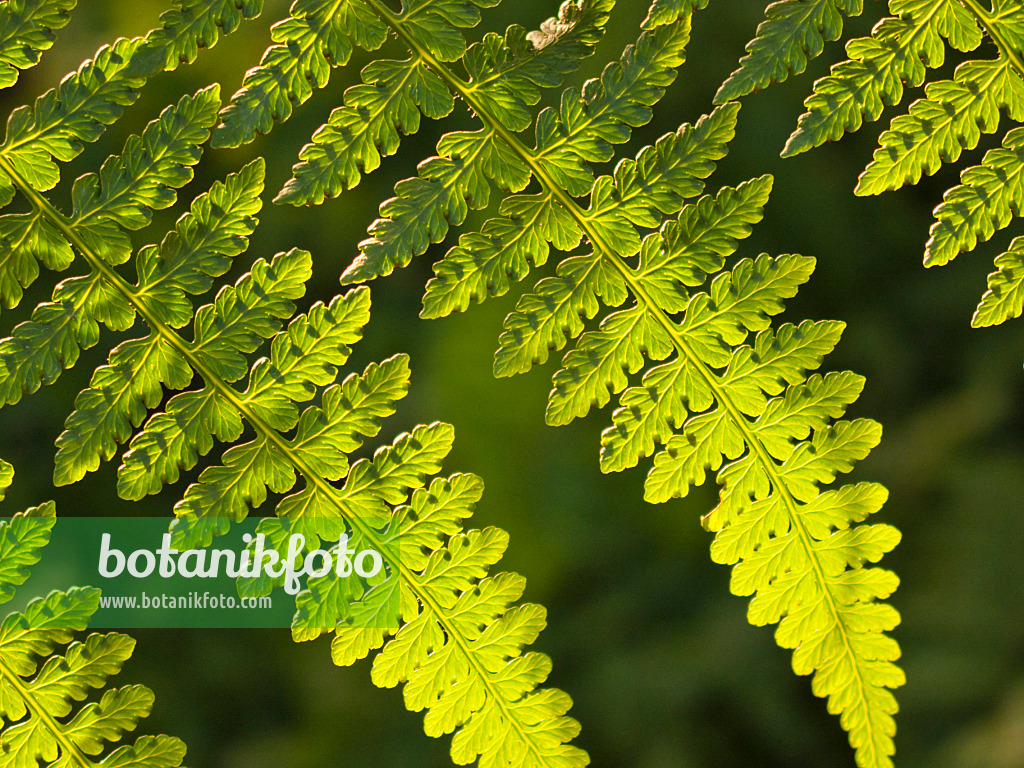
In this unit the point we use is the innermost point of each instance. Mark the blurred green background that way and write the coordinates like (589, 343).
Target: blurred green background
(663, 667)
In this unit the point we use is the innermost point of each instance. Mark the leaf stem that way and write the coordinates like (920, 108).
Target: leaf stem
(990, 23)
(68, 747)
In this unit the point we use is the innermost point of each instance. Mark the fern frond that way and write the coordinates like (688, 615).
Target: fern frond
(457, 639)
(664, 12)
(504, 71)
(22, 537)
(508, 724)
(75, 113)
(143, 179)
(320, 34)
(199, 249)
(122, 196)
(78, 110)
(988, 198)
(41, 685)
(588, 122)
(242, 316)
(898, 53)
(504, 722)
(938, 128)
(477, 682)
(40, 691)
(290, 440)
(27, 28)
(706, 399)
(359, 134)
(793, 33)
(750, 414)
(317, 35)
(191, 26)
(1005, 296)
(951, 118)
(128, 186)
(484, 264)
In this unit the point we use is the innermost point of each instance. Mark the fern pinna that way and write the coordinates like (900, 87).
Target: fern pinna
(76, 112)
(949, 119)
(459, 641)
(706, 400)
(40, 687)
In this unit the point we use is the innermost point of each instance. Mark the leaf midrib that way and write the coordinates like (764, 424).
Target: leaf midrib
(990, 23)
(68, 747)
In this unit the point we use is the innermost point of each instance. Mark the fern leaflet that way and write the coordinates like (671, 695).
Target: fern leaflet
(120, 197)
(27, 28)
(582, 130)
(898, 53)
(793, 33)
(77, 112)
(936, 129)
(504, 73)
(40, 686)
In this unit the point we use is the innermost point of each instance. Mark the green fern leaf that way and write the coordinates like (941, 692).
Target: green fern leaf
(546, 318)
(709, 399)
(38, 694)
(21, 539)
(318, 35)
(897, 54)
(193, 25)
(951, 118)
(649, 413)
(793, 32)
(664, 12)
(366, 128)
(78, 111)
(750, 414)
(303, 357)
(1005, 296)
(242, 316)
(27, 28)
(505, 72)
(484, 264)
(143, 179)
(122, 195)
(985, 201)
(478, 682)
(199, 249)
(40, 686)
(289, 443)
(938, 128)
(75, 112)
(305, 424)
(584, 128)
